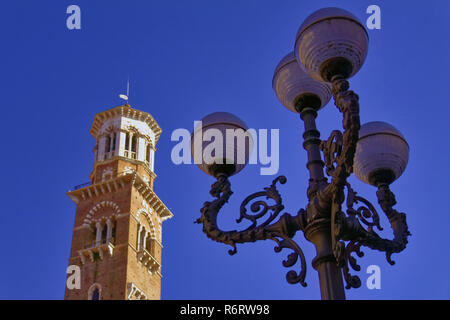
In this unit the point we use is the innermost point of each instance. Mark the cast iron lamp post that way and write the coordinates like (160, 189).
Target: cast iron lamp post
(330, 47)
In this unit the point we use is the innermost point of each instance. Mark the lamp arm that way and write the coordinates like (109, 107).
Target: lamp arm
(350, 228)
(339, 151)
(281, 231)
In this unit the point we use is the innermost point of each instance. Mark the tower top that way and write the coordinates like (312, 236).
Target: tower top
(124, 111)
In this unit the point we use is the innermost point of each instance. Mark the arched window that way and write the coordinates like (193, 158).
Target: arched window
(133, 143)
(104, 234)
(114, 142)
(147, 154)
(107, 146)
(95, 292)
(127, 141)
(133, 146)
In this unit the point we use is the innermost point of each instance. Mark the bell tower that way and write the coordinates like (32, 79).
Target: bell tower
(117, 236)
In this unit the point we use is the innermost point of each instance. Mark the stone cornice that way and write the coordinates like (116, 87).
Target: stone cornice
(147, 193)
(98, 189)
(118, 183)
(128, 112)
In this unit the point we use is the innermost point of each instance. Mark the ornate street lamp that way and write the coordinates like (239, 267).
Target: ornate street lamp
(330, 47)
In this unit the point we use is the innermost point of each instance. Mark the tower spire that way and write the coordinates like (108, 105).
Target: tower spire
(126, 97)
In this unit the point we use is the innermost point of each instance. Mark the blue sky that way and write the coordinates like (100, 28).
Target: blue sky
(187, 59)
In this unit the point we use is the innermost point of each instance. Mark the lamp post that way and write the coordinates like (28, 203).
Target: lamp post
(330, 47)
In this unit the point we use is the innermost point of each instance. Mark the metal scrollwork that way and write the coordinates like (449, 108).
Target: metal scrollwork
(262, 206)
(363, 212)
(292, 276)
(350, 261)
(349, 227)
(281, 231)
(332, 149)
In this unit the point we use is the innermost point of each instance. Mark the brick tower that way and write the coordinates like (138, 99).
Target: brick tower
(117, 234)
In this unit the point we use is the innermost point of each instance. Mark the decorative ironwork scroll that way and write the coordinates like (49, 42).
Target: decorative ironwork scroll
(281, 231)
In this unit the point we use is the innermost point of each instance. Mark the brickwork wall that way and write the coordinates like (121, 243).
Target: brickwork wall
(114, 273)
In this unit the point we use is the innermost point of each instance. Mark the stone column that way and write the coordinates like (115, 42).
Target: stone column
(120, 147)
(145, 241)
(109, 225)
(138, 244)
(140, 148)
(98, 236)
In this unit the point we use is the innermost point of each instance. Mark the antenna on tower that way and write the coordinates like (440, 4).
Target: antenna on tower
(125, 97)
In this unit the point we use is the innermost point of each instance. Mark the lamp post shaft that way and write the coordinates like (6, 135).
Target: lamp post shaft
(330, 275)
(318, 230)
(311, 144)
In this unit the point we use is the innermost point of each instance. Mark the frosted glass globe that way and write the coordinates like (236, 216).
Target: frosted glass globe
(229, 134)
(330, 41)
(381, 153)
(291, 83)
